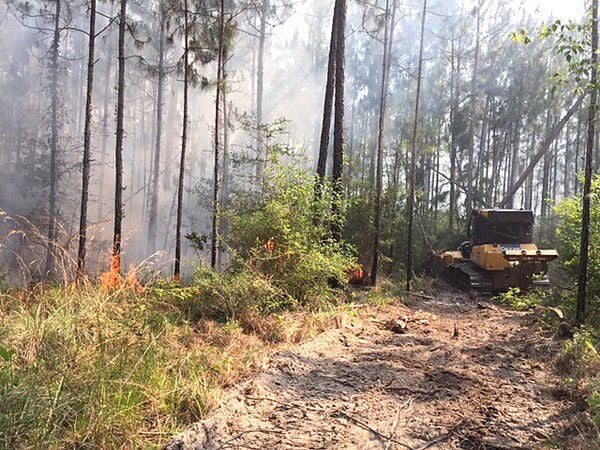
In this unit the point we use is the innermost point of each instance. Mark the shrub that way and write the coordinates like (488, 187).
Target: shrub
(569, 232)
(282, 247)
(521, 301)
(579, 358)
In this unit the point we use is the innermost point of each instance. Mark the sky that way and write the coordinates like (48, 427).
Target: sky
(559, 9)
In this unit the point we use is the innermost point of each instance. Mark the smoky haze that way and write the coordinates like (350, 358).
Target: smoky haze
(296, 40)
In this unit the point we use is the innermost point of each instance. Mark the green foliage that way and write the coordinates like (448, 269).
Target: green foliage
(569, 234)
(236, 294)
(282, 244)
(520, 301)
(579, 358)
(521, 36)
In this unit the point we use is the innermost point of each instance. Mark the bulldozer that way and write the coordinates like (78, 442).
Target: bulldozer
(499, 255)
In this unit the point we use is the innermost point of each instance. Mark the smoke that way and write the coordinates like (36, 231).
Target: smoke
(296, 49)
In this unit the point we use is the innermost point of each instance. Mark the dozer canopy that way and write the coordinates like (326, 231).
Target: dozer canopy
(501, 226)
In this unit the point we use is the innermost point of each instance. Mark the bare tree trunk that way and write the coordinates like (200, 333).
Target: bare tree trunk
(54, 50)
(87, 143)
(567, 172)
(413, 161)
(153, 211)
(577, 151)
(260, 80)
(225, 178)
(105, 116)
(380, 136)
(555, 171)
(470, 172)
(587, 185)
(180, 186)
(338, 127)
(117, 232)
(214, 248)
(454, 94)
(327, 108)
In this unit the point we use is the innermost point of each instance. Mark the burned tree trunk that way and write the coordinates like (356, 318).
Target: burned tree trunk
(117, 232)
(153, 211)
(214, 248)
(260, 82)
(87, 143)
(469, 204)
(379, 169)
(327, 107)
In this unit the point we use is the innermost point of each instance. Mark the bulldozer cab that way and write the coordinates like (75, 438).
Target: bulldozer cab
(501, 226)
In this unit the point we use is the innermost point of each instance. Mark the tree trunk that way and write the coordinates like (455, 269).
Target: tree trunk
(577, 151)
(413, 161)
(541, 152)
(105, 116)
(338, 127)
(260, 75)
(454, 99)
(117, 232)
(54, 50)
(380, 136)
(153, 211)
(180, 185)
(87, 143)
(327, 108)
(587, 185)
(567, 172)
(214, 248)
(470, 169)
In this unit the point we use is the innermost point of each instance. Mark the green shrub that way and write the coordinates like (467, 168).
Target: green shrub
(283, 252)
(569, 233)
(579, 358)
(521, 301)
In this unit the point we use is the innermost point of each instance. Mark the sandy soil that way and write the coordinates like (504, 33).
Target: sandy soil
(466, 374)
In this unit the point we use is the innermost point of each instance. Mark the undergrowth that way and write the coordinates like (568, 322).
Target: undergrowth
(95, 367)
(82, 368)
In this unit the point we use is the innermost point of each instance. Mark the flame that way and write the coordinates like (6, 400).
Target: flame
(111, 280)
(357, 276)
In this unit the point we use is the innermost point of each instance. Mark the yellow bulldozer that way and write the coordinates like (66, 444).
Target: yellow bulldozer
(499, 255)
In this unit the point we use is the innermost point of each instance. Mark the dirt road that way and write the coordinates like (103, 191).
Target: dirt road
(466, 374)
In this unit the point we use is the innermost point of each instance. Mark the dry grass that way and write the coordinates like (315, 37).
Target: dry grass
(95, 369)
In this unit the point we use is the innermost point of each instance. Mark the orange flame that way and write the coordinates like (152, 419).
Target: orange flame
(111, 280)
(357, 276)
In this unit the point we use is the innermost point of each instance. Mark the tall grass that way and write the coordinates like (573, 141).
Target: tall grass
(86, 369)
